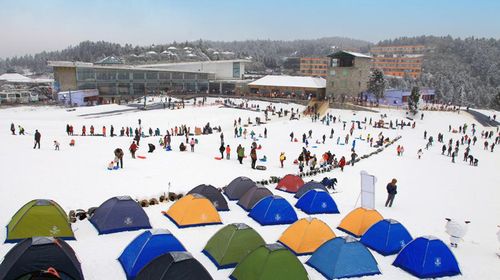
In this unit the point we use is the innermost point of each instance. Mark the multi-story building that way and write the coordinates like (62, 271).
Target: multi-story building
(314, 66)
(399, 61)
(348, 75)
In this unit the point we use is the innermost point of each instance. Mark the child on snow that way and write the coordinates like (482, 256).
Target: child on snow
(56, 145)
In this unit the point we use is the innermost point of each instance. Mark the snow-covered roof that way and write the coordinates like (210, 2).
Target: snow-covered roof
(110, 60)
(171, 48)
(290, 81)
(355, 54)
(18, 78)
(14, 78)
(358, 54)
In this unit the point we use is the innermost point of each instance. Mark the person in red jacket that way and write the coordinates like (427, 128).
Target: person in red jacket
(342, 163)
(84, 131)
(228, 152)
(104, 131)
(133, 149)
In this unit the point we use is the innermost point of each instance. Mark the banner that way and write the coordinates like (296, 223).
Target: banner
(368, 190)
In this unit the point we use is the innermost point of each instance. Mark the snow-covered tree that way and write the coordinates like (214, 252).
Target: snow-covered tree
(376, 84)
(413, 100)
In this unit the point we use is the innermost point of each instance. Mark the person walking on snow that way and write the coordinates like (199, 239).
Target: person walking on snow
(38, 136)
(119, 157)
(133, 148)
(253, 156)
(192, 143)
(391, 192)
(222, 148)
(282, 158)
(419, 153)
(241, 153)
(13, 128)
(56, 145)
(104, 131)
(228, 152)
(342, 163)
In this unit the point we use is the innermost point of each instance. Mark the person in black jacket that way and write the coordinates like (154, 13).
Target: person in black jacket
(391, 192)
(38, 136)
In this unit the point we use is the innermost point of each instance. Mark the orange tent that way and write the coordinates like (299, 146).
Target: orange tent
(359, 220)
(193, 210)
(306, 235)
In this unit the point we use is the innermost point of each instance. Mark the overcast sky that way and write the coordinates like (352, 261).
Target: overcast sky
(30, 26)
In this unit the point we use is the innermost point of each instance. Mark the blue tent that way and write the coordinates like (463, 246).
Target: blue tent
(387, 237)
(343, 257)
(317, 202)
(273, 210)
(309, 186)
(427, 257)
(119, 213)
(146, 247)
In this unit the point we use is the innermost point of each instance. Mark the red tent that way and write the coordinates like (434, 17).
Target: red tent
(290, 183)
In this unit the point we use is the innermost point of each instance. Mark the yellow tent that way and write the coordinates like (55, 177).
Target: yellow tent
(359, 220)
(193, 210)
(306, 235)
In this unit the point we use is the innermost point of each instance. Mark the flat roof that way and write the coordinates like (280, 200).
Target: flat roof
(193, 63)
(290, 81)
(117, 67)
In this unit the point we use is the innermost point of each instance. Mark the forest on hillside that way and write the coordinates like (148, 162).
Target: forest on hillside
(463, 71)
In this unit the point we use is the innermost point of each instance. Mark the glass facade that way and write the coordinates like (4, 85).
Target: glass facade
(133, 82)
(236, 69)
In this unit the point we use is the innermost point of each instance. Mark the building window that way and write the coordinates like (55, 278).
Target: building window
(152, 75)
(138, 76)
(236, 70)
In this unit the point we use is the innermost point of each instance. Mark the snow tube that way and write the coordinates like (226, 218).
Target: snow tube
(217, 158)
(141, 157)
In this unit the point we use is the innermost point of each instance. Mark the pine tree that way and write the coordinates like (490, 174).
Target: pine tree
(377, 83)
(413, 100)
(495, 103)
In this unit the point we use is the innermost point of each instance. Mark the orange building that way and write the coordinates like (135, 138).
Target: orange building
(399, 61)
(314, 66)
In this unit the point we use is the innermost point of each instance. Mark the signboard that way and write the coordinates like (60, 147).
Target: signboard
(368, 190)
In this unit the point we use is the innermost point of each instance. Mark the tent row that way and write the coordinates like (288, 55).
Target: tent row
(43, 217)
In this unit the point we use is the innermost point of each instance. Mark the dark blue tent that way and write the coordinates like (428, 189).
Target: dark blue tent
(213, 194)
(273, 210)
(311, 185)
(343, 257)
(317, 202)
(119, 213)
(32, 256)
(427, 257)
(387, 237)
(146, 247)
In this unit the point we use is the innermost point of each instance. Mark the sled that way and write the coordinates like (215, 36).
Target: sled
(141, 157)
(260, 167)
(314, 147)
(263, 160)
(217, 158)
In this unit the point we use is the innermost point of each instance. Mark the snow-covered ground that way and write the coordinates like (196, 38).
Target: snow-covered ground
(429, 190)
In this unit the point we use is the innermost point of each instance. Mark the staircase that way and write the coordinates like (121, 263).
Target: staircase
(321, 107)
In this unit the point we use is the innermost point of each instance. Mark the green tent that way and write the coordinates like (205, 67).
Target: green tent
(273, 262)
(40, 217)
(231, 244)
